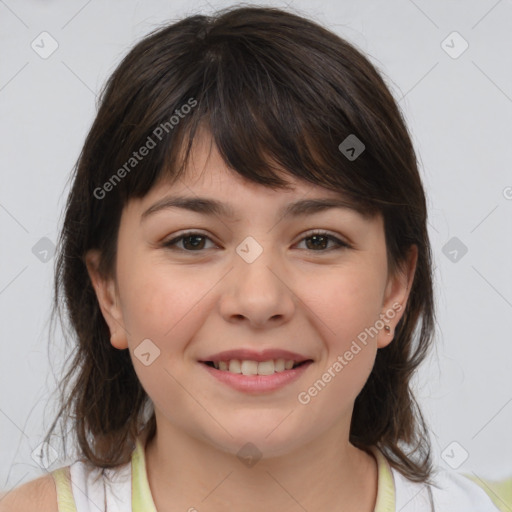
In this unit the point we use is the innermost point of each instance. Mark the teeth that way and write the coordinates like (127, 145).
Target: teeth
(234, 366)
(266, 368)
(279, 365)
(247, 367)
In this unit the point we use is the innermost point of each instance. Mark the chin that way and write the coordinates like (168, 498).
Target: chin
(259, 437)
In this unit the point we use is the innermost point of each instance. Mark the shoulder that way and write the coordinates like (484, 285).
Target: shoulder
(450, 492)
(39, 494)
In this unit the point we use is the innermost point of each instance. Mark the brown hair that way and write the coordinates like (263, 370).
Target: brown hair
(277, 92)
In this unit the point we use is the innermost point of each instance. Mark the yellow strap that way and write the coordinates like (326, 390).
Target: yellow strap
(142, 501)
(65, 500)
(500, 492)
(386, 485)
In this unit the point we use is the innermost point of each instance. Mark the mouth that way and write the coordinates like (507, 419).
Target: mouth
(249, 367)
(256, 377)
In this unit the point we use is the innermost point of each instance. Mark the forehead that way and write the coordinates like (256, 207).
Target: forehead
(226, 194)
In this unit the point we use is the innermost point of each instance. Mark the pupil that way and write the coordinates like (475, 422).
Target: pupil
(193, 237)
(315, 238)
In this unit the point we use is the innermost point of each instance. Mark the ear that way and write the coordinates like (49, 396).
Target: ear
(106, 293)
(396, 295)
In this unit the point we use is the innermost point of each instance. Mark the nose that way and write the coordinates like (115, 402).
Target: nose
(258, 290)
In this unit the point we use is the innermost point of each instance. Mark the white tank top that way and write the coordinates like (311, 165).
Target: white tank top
(85, 488)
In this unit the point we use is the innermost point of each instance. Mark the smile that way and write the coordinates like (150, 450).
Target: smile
(248, 367)
(245, 376)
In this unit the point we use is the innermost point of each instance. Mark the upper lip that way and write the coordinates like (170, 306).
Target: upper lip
(251, 355)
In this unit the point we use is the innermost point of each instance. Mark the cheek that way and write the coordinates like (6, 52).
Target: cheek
(347, 302)
(346, 309)
(163, 305)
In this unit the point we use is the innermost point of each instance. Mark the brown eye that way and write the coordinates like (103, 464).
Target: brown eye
(192, 242)
(320, 241)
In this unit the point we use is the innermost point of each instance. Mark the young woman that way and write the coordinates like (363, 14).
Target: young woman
(246, 268)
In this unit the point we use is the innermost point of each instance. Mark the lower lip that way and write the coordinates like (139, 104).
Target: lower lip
(257, 383)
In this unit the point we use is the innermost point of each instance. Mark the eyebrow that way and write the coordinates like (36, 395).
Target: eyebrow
(207, 206)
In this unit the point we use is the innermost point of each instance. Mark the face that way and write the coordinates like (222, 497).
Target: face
(312, 288)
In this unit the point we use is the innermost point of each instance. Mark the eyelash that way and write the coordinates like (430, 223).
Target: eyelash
(339, 243)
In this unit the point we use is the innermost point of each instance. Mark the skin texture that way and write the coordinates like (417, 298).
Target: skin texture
(39, 494)
(294, 296)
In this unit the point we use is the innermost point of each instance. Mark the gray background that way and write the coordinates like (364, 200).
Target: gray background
(458, 108)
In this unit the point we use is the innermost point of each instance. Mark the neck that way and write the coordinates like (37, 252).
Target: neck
(331, 474)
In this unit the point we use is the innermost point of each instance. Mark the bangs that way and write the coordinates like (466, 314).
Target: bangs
(266, 113)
